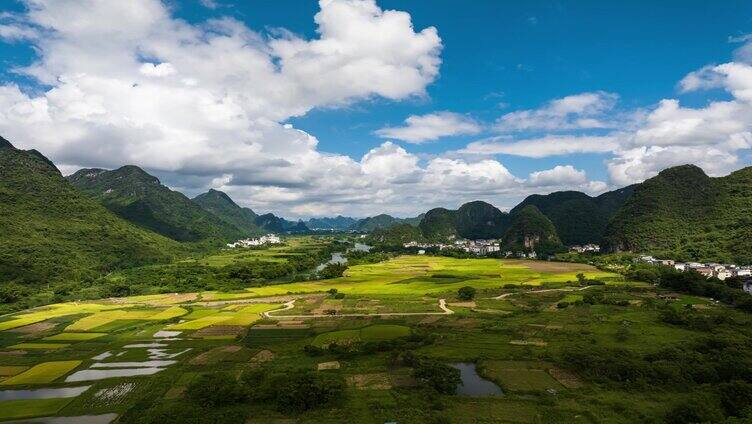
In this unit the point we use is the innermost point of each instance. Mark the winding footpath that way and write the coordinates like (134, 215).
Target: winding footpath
(502, 296)
(291, 304)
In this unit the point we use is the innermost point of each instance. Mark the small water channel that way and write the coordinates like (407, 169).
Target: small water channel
(473, 384)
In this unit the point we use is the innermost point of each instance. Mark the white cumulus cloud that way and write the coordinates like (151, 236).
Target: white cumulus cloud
(432, 126)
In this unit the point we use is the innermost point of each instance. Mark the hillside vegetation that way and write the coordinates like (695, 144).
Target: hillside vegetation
(578, 218)
(529, 230)
(50, 232)
(684, 214)
(140, 198)
(224, 208)
(383, 221)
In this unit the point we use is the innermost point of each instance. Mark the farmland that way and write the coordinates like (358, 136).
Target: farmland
(532, 328)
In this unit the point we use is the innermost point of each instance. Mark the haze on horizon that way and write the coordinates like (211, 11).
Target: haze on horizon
(359, 107)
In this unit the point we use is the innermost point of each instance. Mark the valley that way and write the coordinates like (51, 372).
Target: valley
(528, 328)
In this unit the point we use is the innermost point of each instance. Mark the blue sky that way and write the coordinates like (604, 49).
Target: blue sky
(497, 59)
(505, 55)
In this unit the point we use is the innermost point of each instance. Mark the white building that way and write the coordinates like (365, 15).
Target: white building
(267, 239)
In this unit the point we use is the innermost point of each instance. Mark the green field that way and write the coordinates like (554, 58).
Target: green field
(419, 275)
(372, 333)
(16, 409)
(536, 352)
(45, 372)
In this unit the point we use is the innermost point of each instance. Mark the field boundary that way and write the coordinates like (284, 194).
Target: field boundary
(291, 304)
(502, 296)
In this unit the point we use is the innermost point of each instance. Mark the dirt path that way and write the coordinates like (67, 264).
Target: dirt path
(291, 304)
(502, 296)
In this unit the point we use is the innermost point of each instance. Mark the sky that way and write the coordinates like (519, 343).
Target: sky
(360, 107)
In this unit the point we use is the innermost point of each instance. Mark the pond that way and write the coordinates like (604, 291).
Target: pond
(63, 392)
(143, 364)
(473, 384)
(337, 258)
(360, 247)
(101, 374)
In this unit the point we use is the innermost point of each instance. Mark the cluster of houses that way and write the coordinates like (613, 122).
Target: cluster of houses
(253, 242)
(719, 271)
(588, 248)
(478, 247)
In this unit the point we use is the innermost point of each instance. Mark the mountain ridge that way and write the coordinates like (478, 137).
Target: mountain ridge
(51, 232)
(139, 197)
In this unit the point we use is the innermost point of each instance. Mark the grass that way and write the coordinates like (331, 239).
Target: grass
(28, 408)
(11, 370)
(243, 316)
(74, 337)
(53, 311)
(398, 285)
(200, 323)
(46, 372)
(419, 275)
(514, 376)
(39, 346)
(372, 333)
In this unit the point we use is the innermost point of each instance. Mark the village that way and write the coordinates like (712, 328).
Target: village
(478, 247)
(255, 242)
(719, 271)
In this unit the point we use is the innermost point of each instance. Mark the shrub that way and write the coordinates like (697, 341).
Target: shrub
(562, 305)
(466, 293)
(333, 271)
(215, 389)
(697, 409)
(307, 390)
(438, 376)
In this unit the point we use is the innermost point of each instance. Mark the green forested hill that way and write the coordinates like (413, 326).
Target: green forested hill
(438, 224)
(481, 220)
(531, 230)
(684, 214)
(473, 220)
(578, 218)
(337, 223)
(222, 206)
(140, 198)
(50, 232)
(383, 221)
(272, 223)
(396, 234)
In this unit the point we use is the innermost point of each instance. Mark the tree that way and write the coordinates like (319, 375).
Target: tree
(439, 376)
(333, 270)
(582, 279)
(466, 293)
(307, 390)
(698, 409)
(735, 397)
(215, 389)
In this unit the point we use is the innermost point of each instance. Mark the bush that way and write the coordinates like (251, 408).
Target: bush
(215, 389)
(438, 376)
(735, 397)
(307, 390)
(562, 305)
(697, 409)
(466, 293)
(333, 270)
